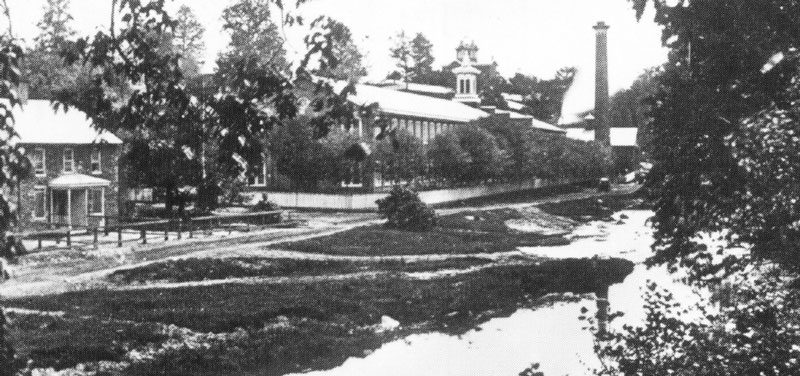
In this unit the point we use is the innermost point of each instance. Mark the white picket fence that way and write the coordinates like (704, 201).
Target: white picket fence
(366, 201)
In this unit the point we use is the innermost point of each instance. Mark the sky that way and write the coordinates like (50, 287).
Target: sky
(535, 37)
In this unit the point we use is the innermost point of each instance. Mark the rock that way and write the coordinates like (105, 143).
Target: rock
(623, 216)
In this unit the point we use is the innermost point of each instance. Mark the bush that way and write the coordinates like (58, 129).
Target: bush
(264, 205)
(404, 210)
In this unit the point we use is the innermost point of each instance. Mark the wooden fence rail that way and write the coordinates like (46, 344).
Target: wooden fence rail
(176, 226)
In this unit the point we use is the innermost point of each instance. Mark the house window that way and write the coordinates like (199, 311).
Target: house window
(95, 201)
(69, 160)
(38, 162)
(352, 176)
(259, 177)
(467, 86)
(96, 161)
(39, 203)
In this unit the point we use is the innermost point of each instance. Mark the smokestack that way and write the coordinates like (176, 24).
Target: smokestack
(602, 133)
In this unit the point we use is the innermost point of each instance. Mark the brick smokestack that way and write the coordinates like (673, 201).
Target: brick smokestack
(602, 132)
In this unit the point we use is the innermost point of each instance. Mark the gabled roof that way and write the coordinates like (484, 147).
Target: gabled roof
(416, 88)
(409, 104)
(37, 123)
(535, 123)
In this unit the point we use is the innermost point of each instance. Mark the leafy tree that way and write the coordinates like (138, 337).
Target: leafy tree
(15, 166)
(255, 42)
(55, 28)
(403, 53)
(543, 98)
(188, 40)
(349, 65)
(401, 157)
(174, 121)
(306, 160)
(422, 54)
(724, 128)
(516, 140)
(43, 67)
(631, 107)
(466, 155)
(297, 154)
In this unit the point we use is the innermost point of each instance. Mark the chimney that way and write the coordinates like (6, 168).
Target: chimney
(602, 132)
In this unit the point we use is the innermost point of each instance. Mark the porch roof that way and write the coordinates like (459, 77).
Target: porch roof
(78, 181)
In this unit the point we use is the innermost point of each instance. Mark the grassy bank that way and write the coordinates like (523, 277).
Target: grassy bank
(280, 328)
(243, 267)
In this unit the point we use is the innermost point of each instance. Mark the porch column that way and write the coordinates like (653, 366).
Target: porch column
(50, 211)
(86, 202)
(69, 208)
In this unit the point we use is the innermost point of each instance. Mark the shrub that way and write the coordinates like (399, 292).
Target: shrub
(404, 210)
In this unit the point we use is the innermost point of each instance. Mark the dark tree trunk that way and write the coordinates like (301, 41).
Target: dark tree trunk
(169, 199)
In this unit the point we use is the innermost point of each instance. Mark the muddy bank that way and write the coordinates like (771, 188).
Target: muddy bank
(235, 329)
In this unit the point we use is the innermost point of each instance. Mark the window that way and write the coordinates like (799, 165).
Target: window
(467, 86)
(69, 160)
(95, 201)
(39, 203)
(461, 85)
(259, 176)
(96, 164)
(352, 176)
(38, 162)
(425, 132)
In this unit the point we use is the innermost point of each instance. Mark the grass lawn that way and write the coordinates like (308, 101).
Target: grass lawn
(242, 267)
(280, 328)
(464, 233)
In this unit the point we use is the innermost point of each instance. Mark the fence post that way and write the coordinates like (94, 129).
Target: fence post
(144, 235)
(119, 236)
(95, 238)
(166, 230)
(69, 238)
(191, 229)
(105, 225)
(39, 238)
(180, 227)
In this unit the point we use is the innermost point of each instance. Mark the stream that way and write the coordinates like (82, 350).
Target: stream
(552, 336)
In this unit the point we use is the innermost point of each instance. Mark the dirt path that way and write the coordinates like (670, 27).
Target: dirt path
(87, 270)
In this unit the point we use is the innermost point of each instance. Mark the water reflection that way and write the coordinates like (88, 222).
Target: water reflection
(552, 336)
